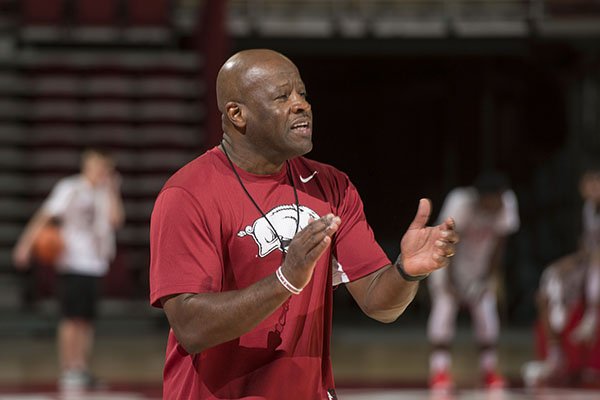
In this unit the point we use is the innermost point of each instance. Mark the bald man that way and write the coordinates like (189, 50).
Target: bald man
(249, 239)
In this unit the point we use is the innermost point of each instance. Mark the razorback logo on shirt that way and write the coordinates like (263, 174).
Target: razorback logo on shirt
(284, 219)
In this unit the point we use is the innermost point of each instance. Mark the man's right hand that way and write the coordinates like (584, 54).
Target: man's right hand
(204, 320)
(307, 247)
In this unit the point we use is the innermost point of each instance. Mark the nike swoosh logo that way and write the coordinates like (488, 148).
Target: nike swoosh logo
(305, 180)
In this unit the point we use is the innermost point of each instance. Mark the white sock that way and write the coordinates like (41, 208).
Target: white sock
(488, 360)
(440, 360)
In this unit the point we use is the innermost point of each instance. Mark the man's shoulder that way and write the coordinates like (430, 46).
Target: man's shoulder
(70, 182)
(463, 194)
(197, 173)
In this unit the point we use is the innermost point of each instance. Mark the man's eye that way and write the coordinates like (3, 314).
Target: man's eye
(281, 97)
(304, 94)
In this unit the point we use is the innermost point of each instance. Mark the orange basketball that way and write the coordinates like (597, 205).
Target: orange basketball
(48, 245)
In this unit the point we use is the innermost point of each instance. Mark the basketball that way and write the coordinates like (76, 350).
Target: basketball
(48, 245)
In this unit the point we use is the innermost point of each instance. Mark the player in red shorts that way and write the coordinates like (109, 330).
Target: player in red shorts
(248, 240)
(568, 303)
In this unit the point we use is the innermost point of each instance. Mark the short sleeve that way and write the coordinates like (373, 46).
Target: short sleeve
(58, 201)
(356, 251)
(184, 247)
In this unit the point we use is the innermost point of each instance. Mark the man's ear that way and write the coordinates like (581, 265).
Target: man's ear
(235, 114)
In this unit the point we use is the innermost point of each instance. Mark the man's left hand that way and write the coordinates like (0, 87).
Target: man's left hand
(427, 248)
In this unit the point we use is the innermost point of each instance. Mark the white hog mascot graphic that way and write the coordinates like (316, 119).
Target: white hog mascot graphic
(284, 220)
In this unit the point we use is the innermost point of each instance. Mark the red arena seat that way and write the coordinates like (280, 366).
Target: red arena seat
(43, 12)
(148, 12)
(97, 13)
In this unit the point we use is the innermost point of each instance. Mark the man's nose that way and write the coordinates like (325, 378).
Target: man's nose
(300, 103)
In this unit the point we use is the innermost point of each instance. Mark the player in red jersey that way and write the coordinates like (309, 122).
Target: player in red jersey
(569, 304)
(248, 240)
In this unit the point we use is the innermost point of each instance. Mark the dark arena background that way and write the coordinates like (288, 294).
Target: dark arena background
(410, 98)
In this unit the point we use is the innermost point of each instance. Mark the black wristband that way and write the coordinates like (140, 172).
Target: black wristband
(407, 277)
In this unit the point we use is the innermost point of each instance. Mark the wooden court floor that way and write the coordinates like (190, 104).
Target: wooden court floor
(370, 360)
(343, 394)
(388, 362)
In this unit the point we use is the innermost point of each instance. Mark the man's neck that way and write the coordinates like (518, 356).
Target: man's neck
(248, 160)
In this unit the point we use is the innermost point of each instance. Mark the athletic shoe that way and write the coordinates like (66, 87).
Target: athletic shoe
(544, 373)
(493, 380)
(441, 381)
(76, 380)
(534, 373)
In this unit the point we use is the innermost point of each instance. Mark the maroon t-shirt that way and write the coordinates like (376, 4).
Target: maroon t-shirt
(207, 236)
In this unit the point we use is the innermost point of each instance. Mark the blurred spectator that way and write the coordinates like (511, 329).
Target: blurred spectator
(89, 208)
(485, 214)
(568, 303)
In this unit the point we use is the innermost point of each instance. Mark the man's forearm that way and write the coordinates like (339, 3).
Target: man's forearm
(388, 294)
(204, 320)
(39, 220)
(117, 210)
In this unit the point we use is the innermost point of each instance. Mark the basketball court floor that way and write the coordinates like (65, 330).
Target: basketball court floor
(343, 394)
(370, 364)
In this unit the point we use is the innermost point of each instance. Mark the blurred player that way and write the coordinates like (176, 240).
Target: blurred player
(484, 215)
(89, 208)
(568, 303)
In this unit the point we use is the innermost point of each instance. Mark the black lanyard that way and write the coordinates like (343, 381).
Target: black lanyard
(282, 244)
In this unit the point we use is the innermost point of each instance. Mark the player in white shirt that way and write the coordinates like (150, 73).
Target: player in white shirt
(485, 214)
(89, 208)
